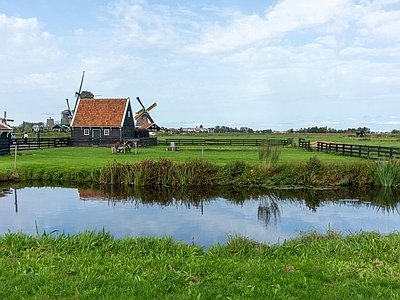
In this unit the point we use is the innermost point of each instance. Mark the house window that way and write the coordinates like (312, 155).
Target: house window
(86, 132)
(129, 113)
(106, 131)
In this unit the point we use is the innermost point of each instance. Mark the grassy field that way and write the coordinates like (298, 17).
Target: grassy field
(96, 266)
(91, 157)
(239, 165)
(389, 140)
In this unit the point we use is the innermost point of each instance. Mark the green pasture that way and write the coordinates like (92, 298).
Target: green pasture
(220, 165)
(387, 140)
(93, 157)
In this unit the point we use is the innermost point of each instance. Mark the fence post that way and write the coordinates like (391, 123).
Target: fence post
(15, 156)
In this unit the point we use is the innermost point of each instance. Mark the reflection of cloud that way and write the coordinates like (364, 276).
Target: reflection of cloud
(61, 209)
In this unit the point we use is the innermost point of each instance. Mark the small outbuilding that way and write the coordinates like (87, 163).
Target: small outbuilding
(102, 121)
(5, 133)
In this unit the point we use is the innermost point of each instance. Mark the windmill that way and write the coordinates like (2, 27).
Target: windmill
(4, 120)
(142, 116)
(67, 114)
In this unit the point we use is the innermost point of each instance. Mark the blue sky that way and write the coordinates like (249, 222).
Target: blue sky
(264, 64)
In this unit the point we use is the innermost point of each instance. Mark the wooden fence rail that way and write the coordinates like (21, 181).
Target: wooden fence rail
(304, 144)
(362, 151)
(222, 142)
(142, 142)
(41, 143)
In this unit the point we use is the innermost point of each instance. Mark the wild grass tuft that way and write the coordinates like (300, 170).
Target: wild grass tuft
(268, 154)
(386, 173)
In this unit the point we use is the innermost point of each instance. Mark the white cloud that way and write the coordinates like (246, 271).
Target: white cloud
(380, 25)
(209, 64)
(24, 41)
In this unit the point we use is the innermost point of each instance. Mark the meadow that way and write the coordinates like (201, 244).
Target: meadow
(202, 165)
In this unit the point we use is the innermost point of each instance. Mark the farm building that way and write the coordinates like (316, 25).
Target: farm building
(5, 130)
(150, 127)
(102, 121)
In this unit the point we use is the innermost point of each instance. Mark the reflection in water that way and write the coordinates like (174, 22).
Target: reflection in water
(15, 201)
(268, 208)
(385, 199)
(206, 214)
(7, 191)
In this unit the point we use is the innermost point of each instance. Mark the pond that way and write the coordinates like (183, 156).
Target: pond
(201, 217)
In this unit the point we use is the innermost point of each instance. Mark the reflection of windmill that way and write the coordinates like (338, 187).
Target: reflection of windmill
(67, 114)
(143, 117)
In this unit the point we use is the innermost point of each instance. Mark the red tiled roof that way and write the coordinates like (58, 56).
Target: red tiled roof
(4, 127)
(100, 112)
(146, 126)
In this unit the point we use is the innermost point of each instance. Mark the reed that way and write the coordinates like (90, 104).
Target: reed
(268, 154)
(386, 173)
(200, 172)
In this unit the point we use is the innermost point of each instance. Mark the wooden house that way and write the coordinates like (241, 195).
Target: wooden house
(100, 121)
(150, 127)
(5, 132)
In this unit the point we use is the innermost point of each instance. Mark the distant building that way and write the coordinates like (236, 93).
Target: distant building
(5, 132)
(50, 123)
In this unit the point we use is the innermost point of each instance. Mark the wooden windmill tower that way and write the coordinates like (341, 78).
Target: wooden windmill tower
(143, 117)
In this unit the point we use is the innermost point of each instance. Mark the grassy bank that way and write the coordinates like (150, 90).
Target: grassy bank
(97, 266)
(196, 166)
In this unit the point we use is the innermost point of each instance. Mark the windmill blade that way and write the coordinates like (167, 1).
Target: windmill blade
(69, 109)
(80, 87)
(152, 106)
(140, 102)
(139, 114)
(78, 94)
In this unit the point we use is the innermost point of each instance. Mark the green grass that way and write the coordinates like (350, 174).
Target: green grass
(94, 265)
(192, 166)
(91, 157)
(386, 172)
(389, 140)
(242, 166)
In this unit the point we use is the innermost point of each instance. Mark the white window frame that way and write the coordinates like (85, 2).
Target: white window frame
(85, 131)
(106, 131)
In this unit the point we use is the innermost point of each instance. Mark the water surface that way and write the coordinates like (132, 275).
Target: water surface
(269, 216)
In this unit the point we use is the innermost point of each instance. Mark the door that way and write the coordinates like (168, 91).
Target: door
(96, 136)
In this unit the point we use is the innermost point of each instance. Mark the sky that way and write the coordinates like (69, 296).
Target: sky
(279, 65)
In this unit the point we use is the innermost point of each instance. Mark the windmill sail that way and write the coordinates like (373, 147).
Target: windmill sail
(142, 116)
